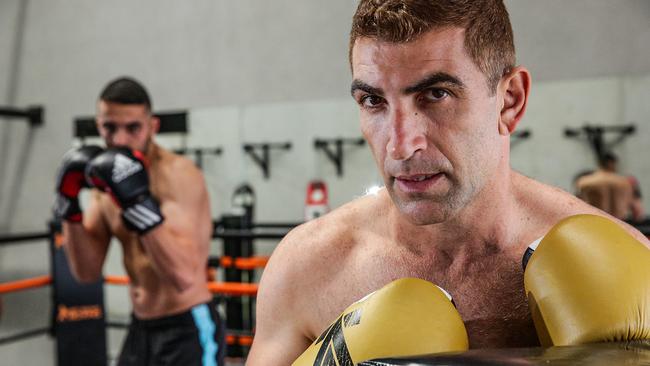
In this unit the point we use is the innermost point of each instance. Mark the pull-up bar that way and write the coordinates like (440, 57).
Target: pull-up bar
(34, 114)
(333, 149)
(595, 135)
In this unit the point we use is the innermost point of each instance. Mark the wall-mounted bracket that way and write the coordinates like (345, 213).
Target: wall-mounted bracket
(595, 136)
(264, 160)
(199, 153)
(34, 114)
(333, 149)
(519, 136)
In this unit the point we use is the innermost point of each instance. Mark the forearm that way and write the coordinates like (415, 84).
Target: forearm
(637, 210)
(278, 348)
(171, 257)
(85, 254)
(272, 354)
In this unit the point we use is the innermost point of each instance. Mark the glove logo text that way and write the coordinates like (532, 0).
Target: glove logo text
(124, 168)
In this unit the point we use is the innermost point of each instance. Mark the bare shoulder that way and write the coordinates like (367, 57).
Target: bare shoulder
(548, 201)
(179, 167)
(177, 177)
(330, 237)
(545, 205)
(315, 252)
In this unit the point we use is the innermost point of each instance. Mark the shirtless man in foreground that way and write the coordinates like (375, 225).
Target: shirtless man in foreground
(164, 228)
(439, 95)
(610, 191)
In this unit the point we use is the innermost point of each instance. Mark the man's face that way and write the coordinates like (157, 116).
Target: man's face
(128, 125)
(430, 120)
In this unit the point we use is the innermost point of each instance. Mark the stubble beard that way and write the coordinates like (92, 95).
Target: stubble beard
(428, 209)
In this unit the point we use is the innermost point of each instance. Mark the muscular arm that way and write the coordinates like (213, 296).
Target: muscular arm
(638, 214)
(86, 242)
(179, 246)
(278, 337)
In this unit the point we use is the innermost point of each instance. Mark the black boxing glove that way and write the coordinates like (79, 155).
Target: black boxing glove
(70, 180)
(121, 172)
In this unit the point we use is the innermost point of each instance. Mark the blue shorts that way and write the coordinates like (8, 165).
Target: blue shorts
(195, 337)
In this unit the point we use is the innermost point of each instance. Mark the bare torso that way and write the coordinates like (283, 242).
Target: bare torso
(487, 292)
(487, 289)
(367, 245)
(152, 295)
(608, 191)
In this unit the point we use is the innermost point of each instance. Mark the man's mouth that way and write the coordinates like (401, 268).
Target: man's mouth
(415, 183)
(416, 178)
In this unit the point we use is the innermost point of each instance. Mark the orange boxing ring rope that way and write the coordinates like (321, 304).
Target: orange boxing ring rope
(244, 263)
(225, 288)
(26, 284)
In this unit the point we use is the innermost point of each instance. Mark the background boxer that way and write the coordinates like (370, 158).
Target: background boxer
(155, 203)
(439, 95)
(610, 191)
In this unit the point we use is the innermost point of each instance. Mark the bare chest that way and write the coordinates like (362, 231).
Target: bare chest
(489, 295)
(494, 307)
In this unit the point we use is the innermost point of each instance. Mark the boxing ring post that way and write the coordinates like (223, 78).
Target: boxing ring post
(78, 313)
(237, 308)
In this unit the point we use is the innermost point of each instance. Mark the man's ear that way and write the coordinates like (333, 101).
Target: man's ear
(513, 88)
(100, 130)
(155, 124)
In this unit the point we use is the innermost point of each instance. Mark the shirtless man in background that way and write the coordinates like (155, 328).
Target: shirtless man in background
(439, 95)
(142, 199)
(610, 191)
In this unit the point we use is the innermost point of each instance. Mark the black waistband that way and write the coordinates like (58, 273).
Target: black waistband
(183, 318)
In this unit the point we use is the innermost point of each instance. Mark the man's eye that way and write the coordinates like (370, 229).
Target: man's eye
(371, 101)
(109, 128)
(133, 128)
(435, 95)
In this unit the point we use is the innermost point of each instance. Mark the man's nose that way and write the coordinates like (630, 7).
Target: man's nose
(120, 137)
(407, 134)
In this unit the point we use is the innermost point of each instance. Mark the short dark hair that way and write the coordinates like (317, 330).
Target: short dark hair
(606, 158)
(126, 90)
(488, 32)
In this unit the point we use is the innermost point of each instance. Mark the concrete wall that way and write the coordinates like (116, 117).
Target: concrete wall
(573, 39)
(8, 27)
(256, 70)
(29, 309)
(13, 18)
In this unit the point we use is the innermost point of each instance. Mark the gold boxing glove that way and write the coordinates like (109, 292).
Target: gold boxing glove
(589, 281)
(407, 317)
